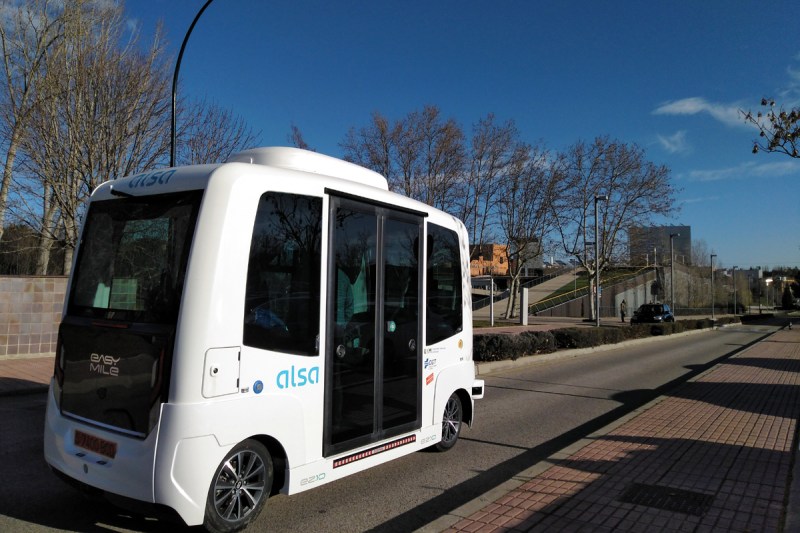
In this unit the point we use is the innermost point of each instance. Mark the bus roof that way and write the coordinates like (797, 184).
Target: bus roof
(295, 159)
(306, 161)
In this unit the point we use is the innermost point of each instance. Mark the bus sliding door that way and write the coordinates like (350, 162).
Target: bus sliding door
(373, 355)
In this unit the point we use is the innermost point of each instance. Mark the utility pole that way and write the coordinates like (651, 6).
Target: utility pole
(712, 286)
(672, 270)
(597, 260)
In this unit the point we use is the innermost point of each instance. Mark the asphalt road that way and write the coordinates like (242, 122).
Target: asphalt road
(529, 413)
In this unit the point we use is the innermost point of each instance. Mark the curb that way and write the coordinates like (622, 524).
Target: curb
(38, 388)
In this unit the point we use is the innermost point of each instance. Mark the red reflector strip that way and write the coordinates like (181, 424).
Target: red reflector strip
(95, 444)
(374, 451)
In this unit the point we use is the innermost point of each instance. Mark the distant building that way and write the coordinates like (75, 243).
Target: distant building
(534, 264)
(488, 259)
(651, 244)
(492, 260)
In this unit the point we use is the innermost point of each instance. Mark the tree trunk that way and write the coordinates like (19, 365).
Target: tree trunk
(512, 298)
(43, 255)
(68, 260)
(8, 169)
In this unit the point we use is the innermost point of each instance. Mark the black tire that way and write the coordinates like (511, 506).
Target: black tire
(451, 423)
(239, 489)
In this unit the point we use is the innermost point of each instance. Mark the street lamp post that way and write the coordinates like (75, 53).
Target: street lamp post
(734, 290)
(597, 260)
(175, 84)
(672, 270)
(712, 286)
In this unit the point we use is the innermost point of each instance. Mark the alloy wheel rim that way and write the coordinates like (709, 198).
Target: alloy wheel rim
(451, 421)
(239, 486)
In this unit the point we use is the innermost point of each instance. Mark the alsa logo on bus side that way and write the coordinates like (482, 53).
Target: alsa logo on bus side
(149, 179)
(104, 364)
(297, 377)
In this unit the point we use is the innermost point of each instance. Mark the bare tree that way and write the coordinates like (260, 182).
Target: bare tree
(779, 129)
(421, 155)
(406, 146)
(297, 140)
(527, 186)
(442, 158)
(372, 146)
(108, 118)
(28, 32)
(494, 151)
(638, 190)
(701, 256)
(211, 134)
(85, 102)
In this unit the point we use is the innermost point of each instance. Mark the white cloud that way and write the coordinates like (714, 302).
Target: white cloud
(700, 199)
(725, 113)
(790, 96)
(748, 171)
(675, 143)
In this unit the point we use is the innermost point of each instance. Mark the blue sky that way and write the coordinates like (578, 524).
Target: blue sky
(668, 76)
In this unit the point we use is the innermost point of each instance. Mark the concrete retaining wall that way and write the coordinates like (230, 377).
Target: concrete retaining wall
(30, 311)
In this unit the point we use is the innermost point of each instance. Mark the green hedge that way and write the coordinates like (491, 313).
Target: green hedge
(502, 346)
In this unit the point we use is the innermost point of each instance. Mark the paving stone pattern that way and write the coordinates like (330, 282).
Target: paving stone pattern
(724, 439)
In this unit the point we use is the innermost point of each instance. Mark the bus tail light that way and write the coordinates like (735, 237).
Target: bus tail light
(157, 390)
(58, 369)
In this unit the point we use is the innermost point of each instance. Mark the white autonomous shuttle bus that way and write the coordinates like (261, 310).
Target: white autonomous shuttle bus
(265, 325)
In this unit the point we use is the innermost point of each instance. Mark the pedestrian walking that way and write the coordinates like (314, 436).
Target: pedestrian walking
(623, 308)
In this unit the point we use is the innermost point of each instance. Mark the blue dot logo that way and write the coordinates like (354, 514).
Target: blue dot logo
(258, 386)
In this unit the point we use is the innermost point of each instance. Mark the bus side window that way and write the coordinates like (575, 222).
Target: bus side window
(444, 305)
(283, 276)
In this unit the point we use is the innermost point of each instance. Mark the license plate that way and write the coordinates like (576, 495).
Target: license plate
(96, 444)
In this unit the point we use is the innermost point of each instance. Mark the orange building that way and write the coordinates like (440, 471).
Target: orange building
(488, 259)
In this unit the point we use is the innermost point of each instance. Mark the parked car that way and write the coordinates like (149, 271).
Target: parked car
(650, 313)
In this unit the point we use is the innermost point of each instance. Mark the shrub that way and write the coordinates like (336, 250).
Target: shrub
(577, 338)
(501, 346)
(536, 342)
(702, 323)
(492, 347)
(660, 329)
(639, 331)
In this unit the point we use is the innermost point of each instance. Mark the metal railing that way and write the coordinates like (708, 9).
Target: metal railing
(484, 302)
(548, 303)
(555, 301)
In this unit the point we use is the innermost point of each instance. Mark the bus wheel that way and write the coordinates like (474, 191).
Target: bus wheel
(451, 423)
(241, 485)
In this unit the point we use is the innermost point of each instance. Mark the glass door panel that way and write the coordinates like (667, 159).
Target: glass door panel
(401, 380)
(352, 402)
(373, 355)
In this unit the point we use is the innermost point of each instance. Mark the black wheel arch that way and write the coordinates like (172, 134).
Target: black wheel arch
(279, 461)
(466, 406)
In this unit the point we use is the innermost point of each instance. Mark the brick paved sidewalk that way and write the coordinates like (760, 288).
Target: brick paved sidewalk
(713, 455)
(24, 375)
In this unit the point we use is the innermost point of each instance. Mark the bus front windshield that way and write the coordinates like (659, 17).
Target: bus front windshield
(133, 256)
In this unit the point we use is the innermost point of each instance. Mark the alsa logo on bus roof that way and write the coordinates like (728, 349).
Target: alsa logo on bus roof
(297, 377)
(148, 179)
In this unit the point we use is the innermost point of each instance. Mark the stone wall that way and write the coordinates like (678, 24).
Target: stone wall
(30, 311)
